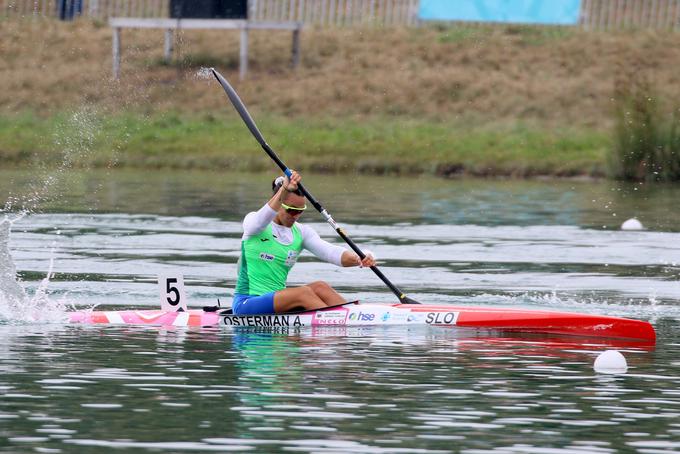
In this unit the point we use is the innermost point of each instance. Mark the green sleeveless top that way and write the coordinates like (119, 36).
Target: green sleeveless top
(265, 263)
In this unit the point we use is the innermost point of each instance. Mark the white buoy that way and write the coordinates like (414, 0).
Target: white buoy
(611, 362)
(632, 224)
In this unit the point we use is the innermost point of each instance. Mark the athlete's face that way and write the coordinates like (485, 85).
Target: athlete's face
(289, 213)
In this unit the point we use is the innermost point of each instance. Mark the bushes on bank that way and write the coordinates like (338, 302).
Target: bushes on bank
(647, 137)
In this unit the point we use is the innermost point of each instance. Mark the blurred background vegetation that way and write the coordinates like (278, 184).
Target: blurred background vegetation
(450, 100)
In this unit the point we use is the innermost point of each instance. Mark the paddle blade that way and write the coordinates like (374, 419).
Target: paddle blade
(406, 300)
(240, 107)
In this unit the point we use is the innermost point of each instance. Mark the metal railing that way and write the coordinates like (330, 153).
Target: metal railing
(338, 12)
(630, 14)
(96, 9)
(595, 14)
(318, 12)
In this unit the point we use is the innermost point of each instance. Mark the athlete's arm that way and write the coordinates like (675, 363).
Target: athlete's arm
(322, 249)
(331, 253)
(349, 258)
(257, 221)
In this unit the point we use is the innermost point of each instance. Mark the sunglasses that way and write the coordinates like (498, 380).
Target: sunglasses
(293, 210)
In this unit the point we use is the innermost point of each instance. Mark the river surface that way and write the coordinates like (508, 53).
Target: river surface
(104, 237)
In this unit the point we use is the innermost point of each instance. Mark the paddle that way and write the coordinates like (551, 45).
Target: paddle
(250, 123)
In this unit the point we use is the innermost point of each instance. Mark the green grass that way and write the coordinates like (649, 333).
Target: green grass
(536, 35)
(647, 139)
(461, 32)
(368, 145)
(530, 35)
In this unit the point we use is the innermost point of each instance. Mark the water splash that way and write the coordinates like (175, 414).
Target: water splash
(649, 308)
(75, 139)
(204, 74)
(16, 305)
(11, 293)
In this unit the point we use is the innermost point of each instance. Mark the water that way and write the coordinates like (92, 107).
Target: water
(387, 390)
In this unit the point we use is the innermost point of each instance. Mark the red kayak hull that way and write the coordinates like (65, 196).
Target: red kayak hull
(549, 322)
(489, 318)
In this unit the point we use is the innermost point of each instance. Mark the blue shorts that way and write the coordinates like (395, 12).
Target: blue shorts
(253, 304)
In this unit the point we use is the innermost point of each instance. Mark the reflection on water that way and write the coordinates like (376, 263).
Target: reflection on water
(359, 199)
(365, 389)
(552, 245)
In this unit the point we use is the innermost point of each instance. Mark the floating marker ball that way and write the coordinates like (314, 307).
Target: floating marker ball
(611, 362)
(632, 224)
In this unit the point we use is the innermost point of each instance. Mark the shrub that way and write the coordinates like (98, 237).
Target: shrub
(647, 139)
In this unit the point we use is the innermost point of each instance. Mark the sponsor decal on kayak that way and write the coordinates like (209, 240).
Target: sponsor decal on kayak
(415, 317)
(263, 320)
(361, 317)
(330, 317)
(395, 317)
(441, 318)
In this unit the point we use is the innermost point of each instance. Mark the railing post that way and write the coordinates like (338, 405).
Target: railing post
(296, 46)
(301, 10)
(324, 7)
(93, 10)
(243, 54)
(333, 10)
(116, 52)
(252, 10)
(168, 45)
(291, 10)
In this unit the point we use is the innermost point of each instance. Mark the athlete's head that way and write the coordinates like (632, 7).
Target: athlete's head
(292, 203)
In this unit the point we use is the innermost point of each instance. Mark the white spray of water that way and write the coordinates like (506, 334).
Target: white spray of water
(204, 74)
(11, 293)
(16, 305)
(75, 139)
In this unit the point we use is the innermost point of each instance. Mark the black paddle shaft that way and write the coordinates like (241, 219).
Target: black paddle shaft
(250, 123)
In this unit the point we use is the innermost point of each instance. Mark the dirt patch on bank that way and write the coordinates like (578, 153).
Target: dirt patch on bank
(556, 76)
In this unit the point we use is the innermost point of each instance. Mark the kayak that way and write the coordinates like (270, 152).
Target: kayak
(546, 322)
(356, 314)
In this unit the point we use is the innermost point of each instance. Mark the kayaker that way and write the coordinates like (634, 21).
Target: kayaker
(271, 244)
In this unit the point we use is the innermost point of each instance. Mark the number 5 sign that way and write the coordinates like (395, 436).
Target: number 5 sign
(173, 297)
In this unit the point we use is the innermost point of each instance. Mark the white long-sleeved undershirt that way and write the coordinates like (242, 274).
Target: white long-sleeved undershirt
(257, 221)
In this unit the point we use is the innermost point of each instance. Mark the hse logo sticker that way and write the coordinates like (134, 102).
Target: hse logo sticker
(361, 317)
(441, 318)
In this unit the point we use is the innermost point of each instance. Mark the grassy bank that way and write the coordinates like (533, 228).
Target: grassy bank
(378, 145)
(509, 100)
